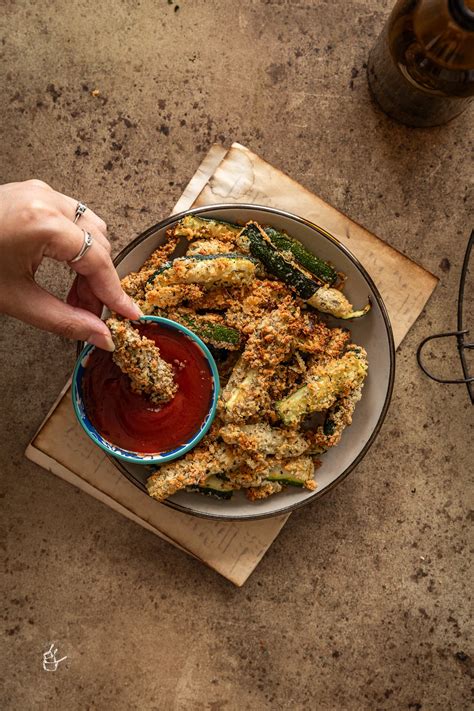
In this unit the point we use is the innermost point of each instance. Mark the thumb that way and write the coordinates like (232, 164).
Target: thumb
(35, 306)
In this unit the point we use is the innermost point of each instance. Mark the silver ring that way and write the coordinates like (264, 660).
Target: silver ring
(80, 210)
(86, 245)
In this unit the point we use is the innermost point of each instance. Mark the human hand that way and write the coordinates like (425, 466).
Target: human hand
(37, 222)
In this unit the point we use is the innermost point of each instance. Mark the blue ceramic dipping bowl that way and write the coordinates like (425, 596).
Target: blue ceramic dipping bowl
(125, 454)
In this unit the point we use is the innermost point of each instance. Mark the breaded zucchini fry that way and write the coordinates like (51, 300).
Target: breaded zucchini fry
(248, 389)
(194, 468)
(266, 489)
(322, 297)
(209, 270)
(192, 226)
(275, 473)
(274, 336)
(262, 439)
(245, 394)
(139, 358)
(337, 419)
(210, 328)
(325, 385)
(165, 296)
(207, 246)
(249, 308)
(213, 486)
(292, 472)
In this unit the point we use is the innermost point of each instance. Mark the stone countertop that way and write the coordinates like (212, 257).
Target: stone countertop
(363, 601)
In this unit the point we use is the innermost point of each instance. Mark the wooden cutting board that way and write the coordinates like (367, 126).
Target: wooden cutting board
(232, 548)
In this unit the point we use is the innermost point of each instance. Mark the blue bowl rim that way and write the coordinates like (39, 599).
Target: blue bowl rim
(147, 459)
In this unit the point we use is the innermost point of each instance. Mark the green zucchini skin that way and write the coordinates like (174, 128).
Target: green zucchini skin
(193, 226)
(208, 491)
(321, 269)
(285, 481)
(324, 387)
(277, 265)
(163, 268)
(213, 486)
(320, 296)
(216, 334)
(329, 425)
(297, 472)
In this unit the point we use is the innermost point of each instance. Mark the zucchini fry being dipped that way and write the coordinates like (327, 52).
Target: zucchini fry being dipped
(139, 358)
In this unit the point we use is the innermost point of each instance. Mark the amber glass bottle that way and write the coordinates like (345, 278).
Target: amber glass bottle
(421, 69)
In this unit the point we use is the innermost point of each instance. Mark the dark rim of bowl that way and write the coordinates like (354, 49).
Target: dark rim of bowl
(317, 494)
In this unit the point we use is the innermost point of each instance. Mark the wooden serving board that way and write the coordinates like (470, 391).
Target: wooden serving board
(232, 548)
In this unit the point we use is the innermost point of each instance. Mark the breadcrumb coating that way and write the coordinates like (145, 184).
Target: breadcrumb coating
(282, 348)
(194, 468)
(173, 295)
(263, 440)
(139, 358)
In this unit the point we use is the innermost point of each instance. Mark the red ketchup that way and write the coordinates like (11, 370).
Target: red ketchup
(131, 421)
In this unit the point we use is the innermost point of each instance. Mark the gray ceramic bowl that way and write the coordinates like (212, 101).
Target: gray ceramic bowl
(373, 332)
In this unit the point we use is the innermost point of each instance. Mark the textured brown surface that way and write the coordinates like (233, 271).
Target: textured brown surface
(363, 601)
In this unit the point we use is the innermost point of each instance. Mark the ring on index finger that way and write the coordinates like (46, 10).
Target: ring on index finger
(86, 245)
(80, 210)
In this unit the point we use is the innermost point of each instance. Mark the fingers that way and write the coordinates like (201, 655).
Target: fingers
(47, 199)
(67, 206)
(65, 241)
(35, 183)
(37, 307)
(82, 296)
(89, 220)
